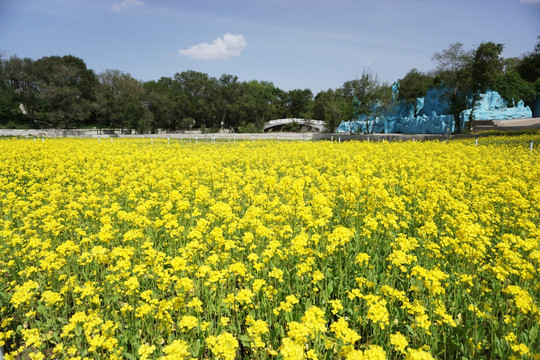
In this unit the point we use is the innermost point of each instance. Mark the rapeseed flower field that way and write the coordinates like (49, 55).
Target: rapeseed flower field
(267, 250)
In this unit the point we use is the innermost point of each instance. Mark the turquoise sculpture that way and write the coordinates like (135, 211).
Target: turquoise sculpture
(432, 114)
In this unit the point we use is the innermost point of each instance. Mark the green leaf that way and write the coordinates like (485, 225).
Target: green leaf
(129, 356)
(410, 329)
(330, 287)
(78, 330)
(245, 340)
(42, 309)
(197, 348)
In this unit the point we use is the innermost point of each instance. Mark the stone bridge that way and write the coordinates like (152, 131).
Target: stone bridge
(304, 124)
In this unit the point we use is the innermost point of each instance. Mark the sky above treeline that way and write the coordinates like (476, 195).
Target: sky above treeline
(295, 44)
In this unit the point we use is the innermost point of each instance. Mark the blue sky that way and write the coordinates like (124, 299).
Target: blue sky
(295, 44)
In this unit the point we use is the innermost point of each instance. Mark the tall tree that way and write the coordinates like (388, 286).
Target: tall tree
(486, 67)
(165, 107)
(8, 108)
(454, 69)
(384, 100)
(299, 103)
(510, 64)
(331, 107)
(363, 93)
(21, 87)
(414, 84)
(256, 104)
(529, 67)
(121, 102)
(199, 91)
(66, 88)
(513, 88)
(228, 93)
(159, 103)
(280, 101)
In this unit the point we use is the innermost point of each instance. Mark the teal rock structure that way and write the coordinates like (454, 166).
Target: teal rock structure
(493, 107)
(431, 115)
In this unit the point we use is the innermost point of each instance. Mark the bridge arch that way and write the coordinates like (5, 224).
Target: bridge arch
(308, 125)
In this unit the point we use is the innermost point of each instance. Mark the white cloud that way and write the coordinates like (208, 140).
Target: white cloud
(534, 2)
(124, 4)
(231, 45)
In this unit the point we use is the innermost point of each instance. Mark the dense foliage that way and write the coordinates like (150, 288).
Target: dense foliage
(129, 249)
(61, 92)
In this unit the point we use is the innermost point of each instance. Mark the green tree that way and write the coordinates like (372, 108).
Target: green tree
(299, 103)
(486, 67)
(510, 64)
(454, 69)
(414, 84)
(529, 67)
(280, 103)
(513, 88)
(331, 107)
(229, 91)
(197, 91)
(8, 106)
(159, 100)
(20, 87)
(363, 93)
(384, 101)
(121, 102)
(256, 104)
(66, 88)
(175, 104)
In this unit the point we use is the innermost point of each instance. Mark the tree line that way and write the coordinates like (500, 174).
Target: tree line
(61, 92)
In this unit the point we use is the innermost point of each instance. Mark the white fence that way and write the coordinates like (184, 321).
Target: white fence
(51, 133)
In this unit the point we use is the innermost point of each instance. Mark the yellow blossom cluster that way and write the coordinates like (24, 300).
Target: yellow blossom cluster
(257, 250)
